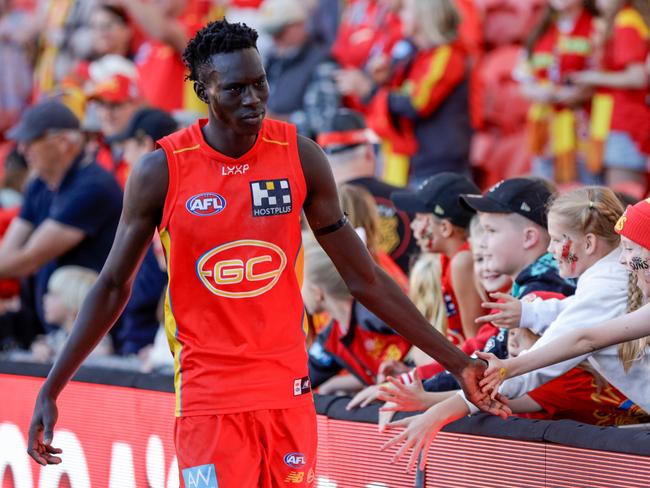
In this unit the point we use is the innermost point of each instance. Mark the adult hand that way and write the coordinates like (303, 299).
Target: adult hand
(419, 431)
(509, 315)
(469, 379)
(379, 69)
(352, 82)
(404, 398)
(41, 431)
(589, 78)
(494, 375)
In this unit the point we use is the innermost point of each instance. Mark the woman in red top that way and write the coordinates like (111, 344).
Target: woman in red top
(560, 45)
(620, 122)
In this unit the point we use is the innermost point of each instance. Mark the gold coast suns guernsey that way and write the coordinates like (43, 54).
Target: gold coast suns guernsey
(234, 314)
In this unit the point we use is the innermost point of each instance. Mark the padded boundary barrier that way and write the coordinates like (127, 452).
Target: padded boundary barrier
(481, 450)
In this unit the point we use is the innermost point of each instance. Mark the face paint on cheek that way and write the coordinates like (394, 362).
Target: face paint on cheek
(637, 263)
(568, 256)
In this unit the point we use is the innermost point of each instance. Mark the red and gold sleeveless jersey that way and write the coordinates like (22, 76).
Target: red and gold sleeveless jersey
(234, 314)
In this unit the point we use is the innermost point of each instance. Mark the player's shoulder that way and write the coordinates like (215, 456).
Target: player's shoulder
(311, 155)
(149, 179)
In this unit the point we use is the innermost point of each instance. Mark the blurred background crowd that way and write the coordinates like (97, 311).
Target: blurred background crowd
(443, 97)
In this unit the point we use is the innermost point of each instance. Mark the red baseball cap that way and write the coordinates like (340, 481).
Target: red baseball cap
(116, 89)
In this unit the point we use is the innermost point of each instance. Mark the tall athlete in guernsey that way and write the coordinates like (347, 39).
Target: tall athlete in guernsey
(226, 195)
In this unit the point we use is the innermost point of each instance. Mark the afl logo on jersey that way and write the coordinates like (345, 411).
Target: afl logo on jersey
(241, 269)
(205, 204)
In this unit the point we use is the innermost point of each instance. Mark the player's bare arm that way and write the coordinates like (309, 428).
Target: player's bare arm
(370, 285)
(143, 202)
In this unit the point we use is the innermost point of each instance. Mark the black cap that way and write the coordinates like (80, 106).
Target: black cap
(439, 195)
(44, 116)
(347, 129)
(528, 197)
(147, 122)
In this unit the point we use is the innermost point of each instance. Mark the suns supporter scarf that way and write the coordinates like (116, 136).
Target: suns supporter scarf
(628, 44)
(555, 56)
(44, 73)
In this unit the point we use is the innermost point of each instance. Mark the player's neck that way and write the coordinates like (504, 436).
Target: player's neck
(221, 138)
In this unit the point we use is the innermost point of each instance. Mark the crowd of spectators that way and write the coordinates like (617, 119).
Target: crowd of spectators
(417, 104)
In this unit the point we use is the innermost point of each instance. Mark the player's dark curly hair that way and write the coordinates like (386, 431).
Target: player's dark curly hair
(217, 37)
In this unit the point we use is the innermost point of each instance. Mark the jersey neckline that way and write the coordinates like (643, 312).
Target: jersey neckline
(210, 151)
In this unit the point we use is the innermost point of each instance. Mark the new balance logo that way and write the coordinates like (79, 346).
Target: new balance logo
(204, 476)
(271, 197)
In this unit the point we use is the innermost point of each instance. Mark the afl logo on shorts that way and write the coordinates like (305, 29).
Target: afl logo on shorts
(241, 269)
(205, 204)
(295, 460)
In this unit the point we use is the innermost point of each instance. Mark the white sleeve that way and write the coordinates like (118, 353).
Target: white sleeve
(539, 314)
(601, 300)
(520, 385)
(472, 408)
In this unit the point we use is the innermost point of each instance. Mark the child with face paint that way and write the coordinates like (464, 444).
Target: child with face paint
(583, 241)
(631, 331)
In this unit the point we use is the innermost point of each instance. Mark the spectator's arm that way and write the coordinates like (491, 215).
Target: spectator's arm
(634, 77)
(152, 20)
(539, 314)
(624, 328)
(469, 301)
(16, 236)
(50, 240)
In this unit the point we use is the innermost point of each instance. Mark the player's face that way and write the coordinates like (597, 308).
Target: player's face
(637, 260)
(237, 91)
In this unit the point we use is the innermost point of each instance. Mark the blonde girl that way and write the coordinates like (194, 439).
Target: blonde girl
(632, 330)
(583, 241)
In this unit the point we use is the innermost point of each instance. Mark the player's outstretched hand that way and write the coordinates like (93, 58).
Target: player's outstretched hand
(404, 398)
(41, 431)
(469, 380)
(494, 375)
(509, 314)
(418, 434)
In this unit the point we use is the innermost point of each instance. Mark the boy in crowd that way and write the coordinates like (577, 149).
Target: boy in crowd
(513, 216)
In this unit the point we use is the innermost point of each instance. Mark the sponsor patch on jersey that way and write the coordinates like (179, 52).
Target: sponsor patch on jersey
(204, 476)
(241, 269)
(205, 204)
(301, 386)
(271, 197)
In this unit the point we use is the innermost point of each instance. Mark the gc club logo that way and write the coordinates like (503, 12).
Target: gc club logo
(241, 269)
(205, 204)
(295, 460)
